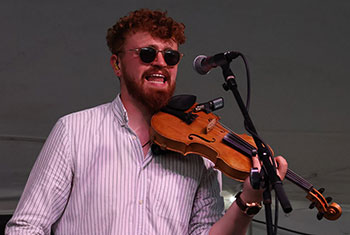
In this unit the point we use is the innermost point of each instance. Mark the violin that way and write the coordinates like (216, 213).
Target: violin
(231, 153)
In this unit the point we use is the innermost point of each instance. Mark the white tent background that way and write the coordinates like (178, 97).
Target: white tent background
(54, 61)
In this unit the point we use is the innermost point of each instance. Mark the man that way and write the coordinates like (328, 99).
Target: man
(96, 173)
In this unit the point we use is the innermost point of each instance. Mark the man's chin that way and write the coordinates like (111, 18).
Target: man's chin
(152, 97)
(156, 100)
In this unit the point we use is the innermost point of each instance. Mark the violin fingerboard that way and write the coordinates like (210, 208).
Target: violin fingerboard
(238, 144)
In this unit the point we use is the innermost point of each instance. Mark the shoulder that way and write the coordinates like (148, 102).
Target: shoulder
(86, 121)
(86, 115)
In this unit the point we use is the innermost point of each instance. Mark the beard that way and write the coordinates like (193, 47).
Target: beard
(154, 99)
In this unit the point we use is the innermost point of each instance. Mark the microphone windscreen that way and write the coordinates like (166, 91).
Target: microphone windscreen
(198, 66)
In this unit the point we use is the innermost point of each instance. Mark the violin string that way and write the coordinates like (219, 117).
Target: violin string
(298, 179)
(302, 181)
(225, 127)
(241, 141)
(239, 144)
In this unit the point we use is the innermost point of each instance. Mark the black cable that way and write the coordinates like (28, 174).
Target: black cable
(283, 228)
(276, 215)
(247, 105)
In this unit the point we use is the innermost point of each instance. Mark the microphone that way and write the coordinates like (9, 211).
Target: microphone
(210, 106)
(203, 64)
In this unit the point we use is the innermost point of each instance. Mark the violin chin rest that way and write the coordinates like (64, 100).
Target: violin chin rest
(181, 102)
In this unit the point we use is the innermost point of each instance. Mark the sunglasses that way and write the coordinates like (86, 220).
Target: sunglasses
(149, 54)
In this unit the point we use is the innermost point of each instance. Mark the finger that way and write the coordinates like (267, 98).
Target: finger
(282, 166)
(256, 162)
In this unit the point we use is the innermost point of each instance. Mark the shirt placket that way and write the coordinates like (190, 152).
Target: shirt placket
(141, 190)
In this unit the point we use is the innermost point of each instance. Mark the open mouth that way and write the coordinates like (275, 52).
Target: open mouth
(157, 78)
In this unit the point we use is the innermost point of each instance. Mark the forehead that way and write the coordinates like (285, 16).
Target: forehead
(143, 39)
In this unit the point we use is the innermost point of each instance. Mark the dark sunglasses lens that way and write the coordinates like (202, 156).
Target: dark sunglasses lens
(148, 54)
(171, 57)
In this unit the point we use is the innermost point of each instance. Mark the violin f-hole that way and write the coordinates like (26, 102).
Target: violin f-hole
(202, 138)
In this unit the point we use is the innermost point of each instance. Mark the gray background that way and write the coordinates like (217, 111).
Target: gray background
(54, 61)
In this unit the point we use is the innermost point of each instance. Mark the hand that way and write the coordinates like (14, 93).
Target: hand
(252, 195)
(236, 222)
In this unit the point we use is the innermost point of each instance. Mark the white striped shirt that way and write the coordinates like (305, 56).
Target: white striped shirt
(91, 177)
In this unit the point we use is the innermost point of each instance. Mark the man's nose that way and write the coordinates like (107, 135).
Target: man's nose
(159, 60)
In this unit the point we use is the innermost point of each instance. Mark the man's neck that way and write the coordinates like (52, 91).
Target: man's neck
(139, 119)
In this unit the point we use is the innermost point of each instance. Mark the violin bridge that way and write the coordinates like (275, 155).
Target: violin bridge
(210, 125)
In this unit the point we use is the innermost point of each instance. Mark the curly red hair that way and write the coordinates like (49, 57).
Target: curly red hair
(157, 23)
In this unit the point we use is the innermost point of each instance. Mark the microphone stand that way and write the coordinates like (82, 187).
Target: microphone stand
(268, 175)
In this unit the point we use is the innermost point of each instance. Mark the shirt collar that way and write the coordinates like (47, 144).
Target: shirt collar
(120, 111)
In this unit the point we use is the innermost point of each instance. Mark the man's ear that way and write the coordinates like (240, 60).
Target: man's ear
(115, 64)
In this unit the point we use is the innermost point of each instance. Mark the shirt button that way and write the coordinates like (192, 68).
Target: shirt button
(134, 137)
(141, 202)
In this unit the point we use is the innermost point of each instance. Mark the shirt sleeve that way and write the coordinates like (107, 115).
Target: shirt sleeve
(208, 206)
(48, 186)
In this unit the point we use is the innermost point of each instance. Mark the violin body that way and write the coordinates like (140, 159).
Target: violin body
(203, 137)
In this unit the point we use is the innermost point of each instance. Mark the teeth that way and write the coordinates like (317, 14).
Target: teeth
(157, 75)
(156, 78)
(159, 82)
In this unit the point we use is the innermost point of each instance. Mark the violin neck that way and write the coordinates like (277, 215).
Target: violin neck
(298, 180)
(240, 145)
